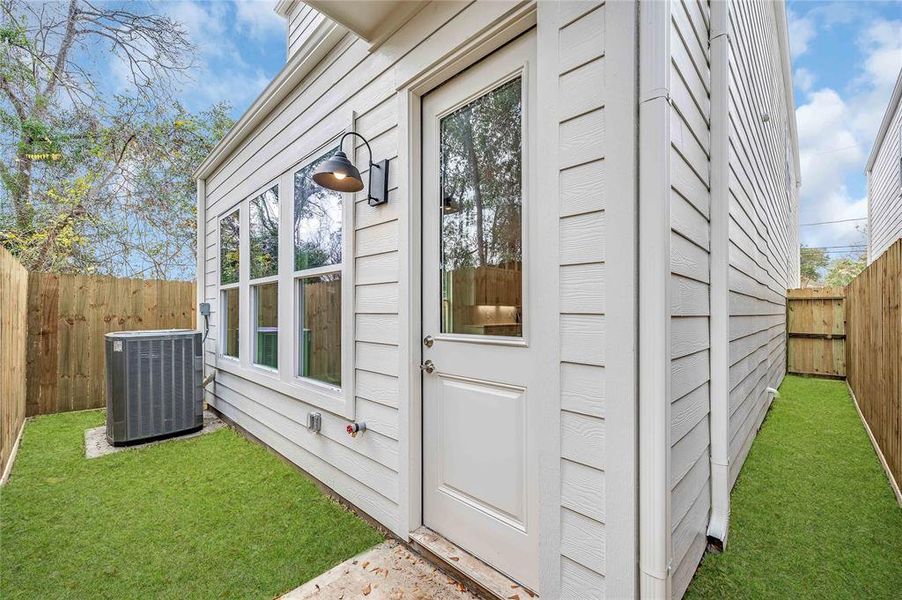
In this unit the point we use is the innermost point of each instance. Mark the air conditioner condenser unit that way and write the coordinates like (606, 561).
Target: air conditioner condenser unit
(153, 384)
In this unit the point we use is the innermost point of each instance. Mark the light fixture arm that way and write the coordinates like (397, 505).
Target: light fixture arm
(378, 174)
(370, 150)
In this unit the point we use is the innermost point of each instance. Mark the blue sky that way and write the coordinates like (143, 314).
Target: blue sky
(846, 56)
(241, 46)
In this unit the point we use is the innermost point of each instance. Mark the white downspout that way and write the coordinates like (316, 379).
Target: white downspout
(719, 523)
(654, 301)
(200, 281)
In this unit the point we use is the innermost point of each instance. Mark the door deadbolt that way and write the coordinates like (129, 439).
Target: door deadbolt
(427, 366)
(428, 341)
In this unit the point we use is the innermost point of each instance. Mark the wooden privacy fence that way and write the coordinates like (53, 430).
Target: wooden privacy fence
(13, 325)
(815, 326)
(68, 316)
(874, 355)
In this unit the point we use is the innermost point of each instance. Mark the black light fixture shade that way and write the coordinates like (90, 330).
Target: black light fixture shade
(338, 173)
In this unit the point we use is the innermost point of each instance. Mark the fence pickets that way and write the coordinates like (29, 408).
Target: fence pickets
(874, 354)
(815, 326)
(13, 326)
(68, 316)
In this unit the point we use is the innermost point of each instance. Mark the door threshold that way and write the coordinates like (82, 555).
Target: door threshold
(475, 574)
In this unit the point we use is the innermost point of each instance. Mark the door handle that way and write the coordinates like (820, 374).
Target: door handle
(428, 341)
(427, 366)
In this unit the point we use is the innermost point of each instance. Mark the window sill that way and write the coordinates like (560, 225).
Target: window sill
(321, 396)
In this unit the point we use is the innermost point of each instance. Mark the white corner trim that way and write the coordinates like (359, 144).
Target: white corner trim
(655, 531)
(719, 521)
(884, 125)
(311, 52)
(786, 69)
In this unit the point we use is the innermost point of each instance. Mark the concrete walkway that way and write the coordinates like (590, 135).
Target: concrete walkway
(387, 572)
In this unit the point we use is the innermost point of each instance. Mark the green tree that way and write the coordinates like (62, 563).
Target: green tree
(94, 181)
(813, 261)
(843, 270)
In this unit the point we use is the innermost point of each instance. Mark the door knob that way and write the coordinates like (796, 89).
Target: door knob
(428, 341)
(427, 366)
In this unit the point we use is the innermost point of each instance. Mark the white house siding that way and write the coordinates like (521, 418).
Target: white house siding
(349, 80)
(581, 228)
(885, 188)
(365, 470)
(302, 21)
(690, 80)
(587, 53)
(762, 217)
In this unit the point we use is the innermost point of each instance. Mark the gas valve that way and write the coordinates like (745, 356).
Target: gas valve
(354, 428)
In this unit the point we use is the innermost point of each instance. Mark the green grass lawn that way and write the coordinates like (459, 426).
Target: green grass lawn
(215, 516)
(813, 515)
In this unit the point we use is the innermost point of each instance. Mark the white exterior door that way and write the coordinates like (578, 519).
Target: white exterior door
(483, 365)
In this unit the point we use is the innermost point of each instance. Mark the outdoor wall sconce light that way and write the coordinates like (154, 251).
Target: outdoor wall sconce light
(339, 174)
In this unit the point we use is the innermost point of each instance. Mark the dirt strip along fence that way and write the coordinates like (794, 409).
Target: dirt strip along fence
(68, 316)
(13, 328)
(816, 328)
(874, 354)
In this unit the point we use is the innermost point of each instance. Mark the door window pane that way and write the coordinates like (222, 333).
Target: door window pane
(264, 240)
(320, 328)
(317, 220)
(230, 322)
(228, 248)
(266, 325)
(481, 204)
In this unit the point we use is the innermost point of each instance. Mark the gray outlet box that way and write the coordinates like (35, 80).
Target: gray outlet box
(314, 422)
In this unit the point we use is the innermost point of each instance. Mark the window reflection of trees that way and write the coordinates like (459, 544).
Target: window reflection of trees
(317, 220)
(481, 206)
(228, 248)
(481, 171)
(264, 234)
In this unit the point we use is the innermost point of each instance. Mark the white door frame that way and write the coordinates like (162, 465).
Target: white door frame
(410, 93)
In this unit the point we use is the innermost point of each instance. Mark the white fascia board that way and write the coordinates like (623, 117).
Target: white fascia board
(884, 125)
(313, 50)
(283, 7)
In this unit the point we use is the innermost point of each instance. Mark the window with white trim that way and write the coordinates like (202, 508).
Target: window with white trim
(264, 273)
(229, 262)
(318, 218)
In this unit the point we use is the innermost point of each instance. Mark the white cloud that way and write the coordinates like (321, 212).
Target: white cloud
(801, 32)
(216, 29)
(836, 131)
(803, 79)
(258, 18)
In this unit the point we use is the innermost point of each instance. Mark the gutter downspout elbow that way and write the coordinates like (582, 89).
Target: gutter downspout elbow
(719, 521)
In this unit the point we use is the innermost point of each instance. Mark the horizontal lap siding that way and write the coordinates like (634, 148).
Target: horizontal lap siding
(689, 285)
(581, 151)
(885, 191)
(349, 80)
(762, 216)
(302, 21)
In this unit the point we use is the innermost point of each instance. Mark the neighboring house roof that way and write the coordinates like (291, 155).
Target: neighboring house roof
(884, 125)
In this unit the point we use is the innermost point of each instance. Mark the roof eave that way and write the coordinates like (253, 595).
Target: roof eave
(884, 125)
(313, 50)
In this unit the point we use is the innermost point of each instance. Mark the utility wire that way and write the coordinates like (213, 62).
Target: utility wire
(831, 222)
